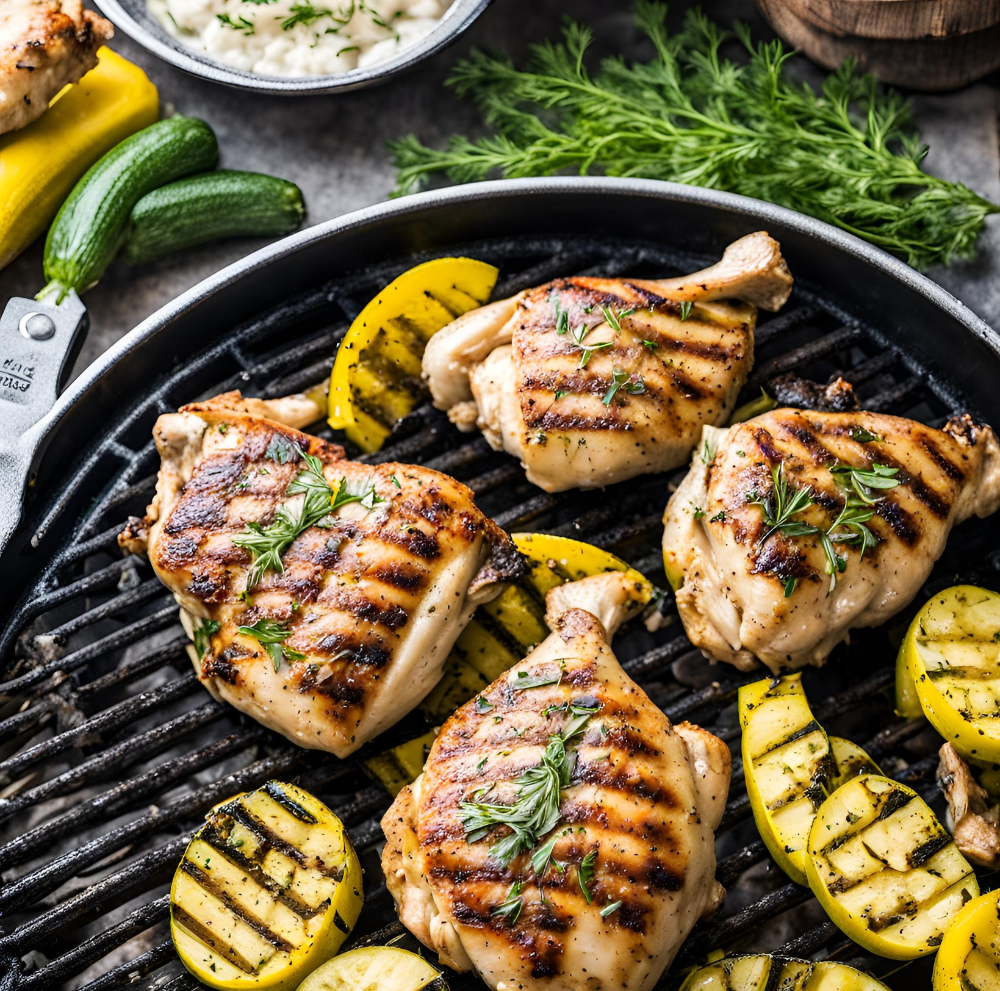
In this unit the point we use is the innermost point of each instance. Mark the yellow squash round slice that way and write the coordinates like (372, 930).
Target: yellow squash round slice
(885, 870)
(788, 766)
(375, 968)
(376, 376)
(762, 972)
(969, 957)
(268, 889)
(499, 634)
(952, 656)
(851, 760)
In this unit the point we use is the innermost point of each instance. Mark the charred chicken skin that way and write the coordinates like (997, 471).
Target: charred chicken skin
(800, 526)
(322, 595)
(591, 381)
(44, 44)
(598, 883)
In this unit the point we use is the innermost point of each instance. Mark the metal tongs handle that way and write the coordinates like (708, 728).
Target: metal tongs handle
(36, 342)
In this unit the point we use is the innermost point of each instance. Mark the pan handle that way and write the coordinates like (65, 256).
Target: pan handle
(37, 344)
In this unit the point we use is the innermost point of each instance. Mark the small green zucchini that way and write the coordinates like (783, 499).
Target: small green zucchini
(208, 207)
(88, 229)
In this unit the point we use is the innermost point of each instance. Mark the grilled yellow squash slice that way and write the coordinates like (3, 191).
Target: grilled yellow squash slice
(762, 972)
(375, 968)
(969, 958)
(788, 766)
(501, 633)
(376, 374)
(268, 889)
(851, 760)
(885, 870)
(950, 660)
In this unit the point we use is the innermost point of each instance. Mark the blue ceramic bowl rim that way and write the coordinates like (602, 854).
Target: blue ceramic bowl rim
(156, 39)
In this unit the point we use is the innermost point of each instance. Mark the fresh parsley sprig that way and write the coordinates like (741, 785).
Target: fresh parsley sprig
(690, 115)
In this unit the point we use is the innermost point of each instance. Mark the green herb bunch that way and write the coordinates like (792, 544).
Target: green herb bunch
(848, 155)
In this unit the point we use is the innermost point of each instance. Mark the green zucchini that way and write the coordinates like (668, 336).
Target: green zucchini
(208, 207)
(88, 229)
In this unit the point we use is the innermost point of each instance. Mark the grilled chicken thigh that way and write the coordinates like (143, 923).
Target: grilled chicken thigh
(591, 381)
(788, 594)
(346, 625)
(44, 44)
(621, 863)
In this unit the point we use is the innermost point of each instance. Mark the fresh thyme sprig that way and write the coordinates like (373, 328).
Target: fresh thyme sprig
(536, 808)
(587, 350)
(271, 634)
(848, 154)
(267, 543)
(850, 526)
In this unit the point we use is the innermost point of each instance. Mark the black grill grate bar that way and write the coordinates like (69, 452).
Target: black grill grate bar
(124, 637)
(810, 941)
(723, 933)
(285, 361)
(868, 369)
(126, 975)
(461, 457)
(150, 589)
(731, 867)
(628, 530)
(96, 581)
(527, 511)
(895, 396)
(134, 669)
(112, 802)
(95, 947)
(544, 271)
(506, 474)
(822, 347)
(119, 496)
(109, 761)
(49, 876)
(785, 323)
(654, 659)
(113, 889)
(106, 540)
(31, 719)
(110, 719)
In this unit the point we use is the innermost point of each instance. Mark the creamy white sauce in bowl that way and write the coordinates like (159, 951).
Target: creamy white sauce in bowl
(299, 38)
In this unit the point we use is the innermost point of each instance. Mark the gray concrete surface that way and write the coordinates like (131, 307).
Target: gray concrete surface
(334, 148)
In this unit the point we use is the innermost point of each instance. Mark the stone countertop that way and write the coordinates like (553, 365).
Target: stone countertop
(334, 148)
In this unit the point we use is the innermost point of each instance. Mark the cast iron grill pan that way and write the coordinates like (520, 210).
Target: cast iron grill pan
(111, 752)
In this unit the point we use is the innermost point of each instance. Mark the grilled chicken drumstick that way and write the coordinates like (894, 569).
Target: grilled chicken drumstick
(591, 381)
(323, 595)
(44, 44)
(561, 835)
(798, 526)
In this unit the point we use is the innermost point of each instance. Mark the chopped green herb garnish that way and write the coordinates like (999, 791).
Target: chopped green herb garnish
(510, 907)
(652, 345)
(610, 909)
(685, 310)
(719, 517)
(585, 874)
(395, 481)
(863, 436)
(223, 428)
(303, 13)
(240, 23)
(620, 379)
(611, 320)
(203, 634)
(560, 393)
(707, 454)
(271, 634)
(483, 704)
(525, 681)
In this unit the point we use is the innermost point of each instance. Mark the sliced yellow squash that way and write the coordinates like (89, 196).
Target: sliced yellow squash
(969, 958)
(851, 761)
(788, 766)
(501, 633)
(375, 968)
(885, 870)
(951, 655)
(268, 889)
(763, 972)
(376, 376)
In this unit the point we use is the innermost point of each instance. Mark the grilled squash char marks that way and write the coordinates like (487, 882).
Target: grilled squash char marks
(639, 810)
(733, 599)
(589, 381)
(372, 599)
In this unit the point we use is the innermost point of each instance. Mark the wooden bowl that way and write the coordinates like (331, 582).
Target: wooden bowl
(929, 45)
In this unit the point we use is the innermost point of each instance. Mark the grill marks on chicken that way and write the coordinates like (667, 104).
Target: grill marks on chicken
(590, 381)
(634, 831)
(732, 600)
(44, 44)
(370, 600)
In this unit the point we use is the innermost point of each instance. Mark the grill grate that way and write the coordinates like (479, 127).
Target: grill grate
(110, 754)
